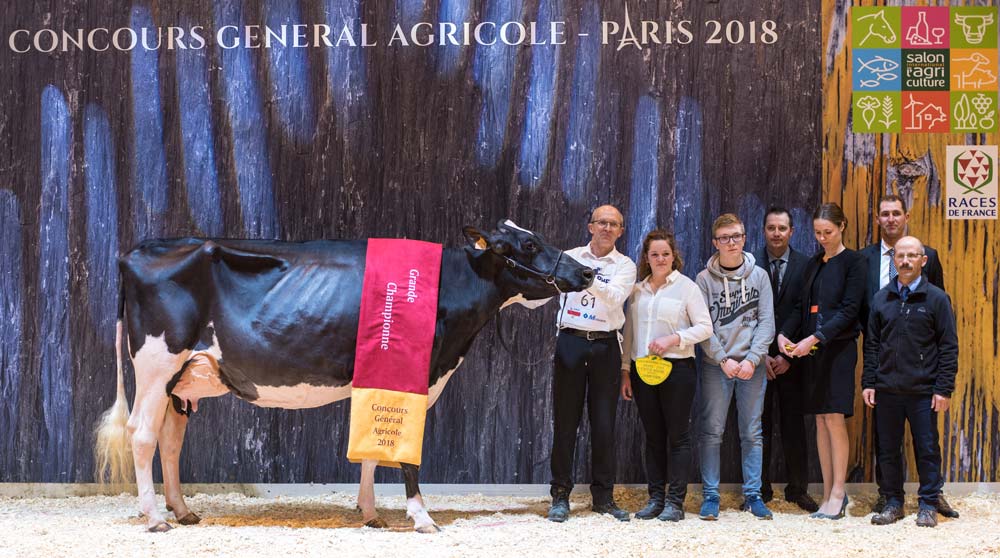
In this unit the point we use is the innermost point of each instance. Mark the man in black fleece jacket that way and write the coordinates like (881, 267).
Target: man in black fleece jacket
(911, 357)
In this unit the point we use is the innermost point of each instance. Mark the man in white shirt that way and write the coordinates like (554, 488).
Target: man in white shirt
(588, 355)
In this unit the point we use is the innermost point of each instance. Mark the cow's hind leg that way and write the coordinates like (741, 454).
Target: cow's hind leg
(154, 365)
(366, 496)
(415, 510)
(145, 424)
(171, 441)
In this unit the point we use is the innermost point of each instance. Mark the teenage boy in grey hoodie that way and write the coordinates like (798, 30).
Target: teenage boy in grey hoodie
(739, 298)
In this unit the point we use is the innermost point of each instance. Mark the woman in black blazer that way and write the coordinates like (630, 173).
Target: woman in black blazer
(827, 317)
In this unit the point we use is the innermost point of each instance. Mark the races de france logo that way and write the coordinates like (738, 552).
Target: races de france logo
(971, 182)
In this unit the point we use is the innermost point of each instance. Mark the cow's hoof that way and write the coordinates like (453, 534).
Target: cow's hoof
(376, 523)
(161, 527)
(190, 519)
(428, 529)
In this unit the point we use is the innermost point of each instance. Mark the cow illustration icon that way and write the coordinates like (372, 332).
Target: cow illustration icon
(974, 26)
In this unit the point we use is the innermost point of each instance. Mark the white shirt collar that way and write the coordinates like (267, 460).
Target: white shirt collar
(644, 284)
(612, 255)
(885, 248)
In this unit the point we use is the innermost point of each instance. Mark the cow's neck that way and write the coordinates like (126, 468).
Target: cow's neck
(468, 298)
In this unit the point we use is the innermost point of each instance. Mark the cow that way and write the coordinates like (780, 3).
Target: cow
(275, 323)
(974, 26)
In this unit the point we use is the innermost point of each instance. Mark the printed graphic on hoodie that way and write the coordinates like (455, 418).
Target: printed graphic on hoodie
(740, 302)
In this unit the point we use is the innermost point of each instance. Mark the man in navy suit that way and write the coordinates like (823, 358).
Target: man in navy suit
(785, 267)
(893, 217)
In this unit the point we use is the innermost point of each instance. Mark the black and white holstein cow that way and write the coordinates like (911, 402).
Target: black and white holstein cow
(275, 323)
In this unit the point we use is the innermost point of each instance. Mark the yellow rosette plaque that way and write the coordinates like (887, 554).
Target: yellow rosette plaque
(653, 370)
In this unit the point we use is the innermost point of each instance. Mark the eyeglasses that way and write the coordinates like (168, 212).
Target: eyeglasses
(607, 224)
(729, 238)
(908, 256)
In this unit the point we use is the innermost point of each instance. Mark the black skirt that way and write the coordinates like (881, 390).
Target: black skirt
(828, 378)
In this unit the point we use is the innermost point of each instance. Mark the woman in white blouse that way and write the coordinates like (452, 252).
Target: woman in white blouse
(666, 317)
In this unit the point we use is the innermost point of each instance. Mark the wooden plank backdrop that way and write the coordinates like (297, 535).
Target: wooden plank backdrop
(857, 170)
(101, 149)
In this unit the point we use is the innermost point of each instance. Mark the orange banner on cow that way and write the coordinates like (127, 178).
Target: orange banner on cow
(392, 361)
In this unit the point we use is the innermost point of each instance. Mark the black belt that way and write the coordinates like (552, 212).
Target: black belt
(589, 335)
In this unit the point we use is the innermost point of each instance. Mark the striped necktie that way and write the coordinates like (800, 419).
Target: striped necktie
(892, 265)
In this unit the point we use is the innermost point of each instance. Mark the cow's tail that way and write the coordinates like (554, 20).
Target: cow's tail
(113, 448)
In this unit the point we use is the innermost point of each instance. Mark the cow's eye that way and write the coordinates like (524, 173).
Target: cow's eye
(530, 247)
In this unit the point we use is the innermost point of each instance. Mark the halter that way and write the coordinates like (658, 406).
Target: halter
(549, 278)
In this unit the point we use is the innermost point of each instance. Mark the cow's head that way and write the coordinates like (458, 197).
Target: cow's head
(531, 267)
(974, 26)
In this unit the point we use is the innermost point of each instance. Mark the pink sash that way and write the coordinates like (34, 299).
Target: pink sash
(392, 363)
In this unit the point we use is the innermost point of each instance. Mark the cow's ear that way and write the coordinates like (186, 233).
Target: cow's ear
(476, 238)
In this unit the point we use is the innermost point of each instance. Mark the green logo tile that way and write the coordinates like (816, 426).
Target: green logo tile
(973, 112)
(974, 27)
(876, 111)
(875, 27)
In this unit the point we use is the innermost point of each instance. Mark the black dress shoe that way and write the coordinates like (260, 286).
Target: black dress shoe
(879, 504)
(671, 513)
(652, 509)
(803, 501)
(927, 517)
(945, 509)
(559, 511)
(891, 513)
(611, 509)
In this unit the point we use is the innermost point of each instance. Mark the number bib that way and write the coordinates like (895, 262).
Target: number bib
(653, 370)
(582, 310)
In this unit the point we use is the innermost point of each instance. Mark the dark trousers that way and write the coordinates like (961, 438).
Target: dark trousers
(665, 411)
(787, 390)
(875, 446)
(591, 371)
(894, 410)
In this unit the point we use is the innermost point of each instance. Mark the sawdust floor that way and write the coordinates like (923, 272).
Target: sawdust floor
(474, 525)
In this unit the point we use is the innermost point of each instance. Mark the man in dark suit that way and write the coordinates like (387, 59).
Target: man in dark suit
(893, 217)
(785, 267)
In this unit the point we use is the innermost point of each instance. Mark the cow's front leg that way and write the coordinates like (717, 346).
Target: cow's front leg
(366, 496)
(171, 440)
(415, 509)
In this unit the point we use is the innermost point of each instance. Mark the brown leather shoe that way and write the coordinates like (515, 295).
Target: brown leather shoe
(891, 513)
(927, 517)
(945, 509)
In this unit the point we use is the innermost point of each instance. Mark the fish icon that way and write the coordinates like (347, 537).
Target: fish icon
(878, 65)
(880, 68)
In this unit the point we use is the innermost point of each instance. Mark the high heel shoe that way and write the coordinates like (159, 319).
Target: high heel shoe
(840, 514)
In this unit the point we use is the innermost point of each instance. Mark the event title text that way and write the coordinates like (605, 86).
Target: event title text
(639, 34)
